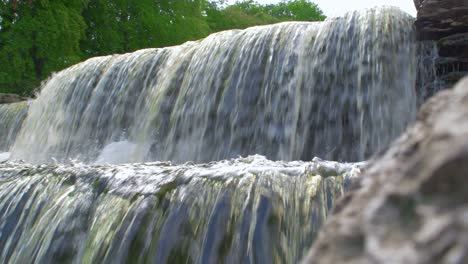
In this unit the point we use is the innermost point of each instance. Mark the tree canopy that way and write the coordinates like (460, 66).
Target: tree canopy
(38, 37)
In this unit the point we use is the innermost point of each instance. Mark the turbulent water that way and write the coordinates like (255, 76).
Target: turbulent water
(248, 210)
(340, 89)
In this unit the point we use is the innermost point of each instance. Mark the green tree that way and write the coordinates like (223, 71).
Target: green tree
(37, 38)
(249, 13)
(127, 25)
(298, 10)
(186, 20)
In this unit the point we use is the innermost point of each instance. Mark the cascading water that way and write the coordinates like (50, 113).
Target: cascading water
(11, 119)
(341, 89)
(248, 210)
(428, 82)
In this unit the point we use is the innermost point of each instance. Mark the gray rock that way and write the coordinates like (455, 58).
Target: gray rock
(417, 3)
(454, 46)
(11, 98)
(440, 18)
(412, 206)
(446, 21)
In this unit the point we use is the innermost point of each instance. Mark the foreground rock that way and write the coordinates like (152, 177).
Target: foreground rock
(412, 206)
(11, 98)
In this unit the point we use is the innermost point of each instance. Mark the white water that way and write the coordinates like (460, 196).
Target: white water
(117, 153)
(341, 90)
(248, 210)
(4, 156)
(11, 120)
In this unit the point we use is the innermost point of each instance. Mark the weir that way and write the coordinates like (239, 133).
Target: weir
(340, 90)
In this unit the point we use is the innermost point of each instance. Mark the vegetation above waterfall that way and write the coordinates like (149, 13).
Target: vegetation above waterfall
(40, 37)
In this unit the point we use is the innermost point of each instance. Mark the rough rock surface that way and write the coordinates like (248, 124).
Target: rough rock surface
(446, 21)
(441, 18)
(412, 206)
(11, 98)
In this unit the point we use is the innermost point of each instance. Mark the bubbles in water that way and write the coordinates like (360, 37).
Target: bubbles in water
(117, 153)
(4, 156)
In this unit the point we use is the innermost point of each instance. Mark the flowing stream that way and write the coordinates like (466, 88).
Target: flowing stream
(184, 127)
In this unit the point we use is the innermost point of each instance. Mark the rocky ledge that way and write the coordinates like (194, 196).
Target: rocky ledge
(412, 205)
(441, 18)
(11, 98)
(446, 22)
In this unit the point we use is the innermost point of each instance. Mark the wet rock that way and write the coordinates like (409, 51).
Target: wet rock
(412, 206)
(441, 18)
(454, 45)
(453, 62)
(11, 98)
(446, 23)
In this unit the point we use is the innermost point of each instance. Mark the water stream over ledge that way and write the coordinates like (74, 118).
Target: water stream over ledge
(340, 90)
(248, 210)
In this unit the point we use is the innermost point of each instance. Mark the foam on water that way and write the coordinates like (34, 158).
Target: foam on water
(247, 210)
(117, 153)
(4, 156)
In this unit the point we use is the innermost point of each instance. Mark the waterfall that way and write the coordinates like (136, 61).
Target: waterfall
(248, 210)
(174, 122)
(11, 119)
(428, 82)
(340, 89)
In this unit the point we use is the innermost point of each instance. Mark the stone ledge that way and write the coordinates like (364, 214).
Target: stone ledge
(11, 98)
(442, 18)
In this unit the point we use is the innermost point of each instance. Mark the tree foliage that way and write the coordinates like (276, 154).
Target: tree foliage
(298, 10)
(38, 37)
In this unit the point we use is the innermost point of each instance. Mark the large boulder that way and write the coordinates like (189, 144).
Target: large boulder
(11, 98)
(412, 205)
